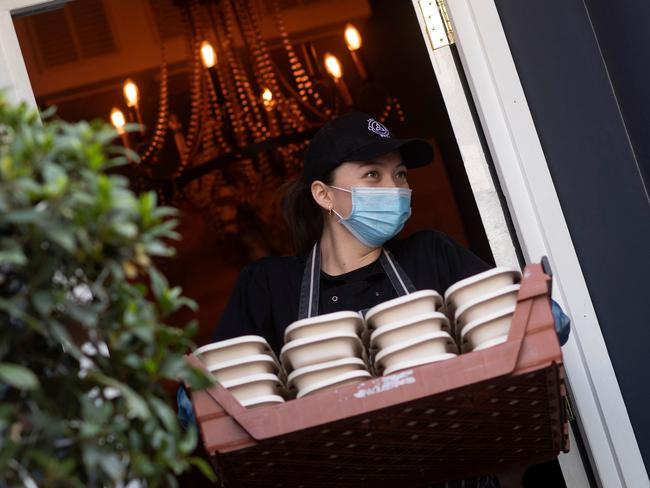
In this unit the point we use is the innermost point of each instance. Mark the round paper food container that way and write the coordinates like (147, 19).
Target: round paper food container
(478, 285)
(489, 327)
(486, 305)
(253, 386)
(404, 307)
(321, 324)
(319, 349)
(408, 329)
(218, 352)
(486, 345)
(419, 362)
(421, 347)
(335, 382)
(304, 377)
(244, 366)
(263, 401)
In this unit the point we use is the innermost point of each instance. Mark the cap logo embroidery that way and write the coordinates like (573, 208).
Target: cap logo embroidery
(378, 128)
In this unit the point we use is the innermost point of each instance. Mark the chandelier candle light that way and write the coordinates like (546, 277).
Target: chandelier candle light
(333, 66)
(267, 99)
(353, 41)
(118, 121)
(132, 98)
(209, 59)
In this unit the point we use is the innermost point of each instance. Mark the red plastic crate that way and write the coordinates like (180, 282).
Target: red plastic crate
(476, 414)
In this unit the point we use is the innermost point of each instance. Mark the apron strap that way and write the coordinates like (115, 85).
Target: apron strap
(310, 286)
(398, 277)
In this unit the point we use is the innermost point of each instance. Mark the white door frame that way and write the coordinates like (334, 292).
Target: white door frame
(477, 168)
(534, 207)
(542, 230)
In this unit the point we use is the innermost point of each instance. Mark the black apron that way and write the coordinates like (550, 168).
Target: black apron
(310, 287)
(308, 307)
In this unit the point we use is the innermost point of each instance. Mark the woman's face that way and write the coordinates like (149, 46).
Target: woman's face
(386, 170)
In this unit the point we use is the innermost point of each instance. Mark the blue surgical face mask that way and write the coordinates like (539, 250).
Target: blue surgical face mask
(378, 214)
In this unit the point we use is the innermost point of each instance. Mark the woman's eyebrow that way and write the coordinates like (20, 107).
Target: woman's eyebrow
(373, 162)
(370, 162)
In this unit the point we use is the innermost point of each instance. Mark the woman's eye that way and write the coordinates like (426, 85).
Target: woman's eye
(372, 174)
(401, 175)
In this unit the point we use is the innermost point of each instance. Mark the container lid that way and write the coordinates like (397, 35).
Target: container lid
(323, 319)
(306, 341)
(418, 362)
(254, 358)
(480, 277)
(341, 378)
(486, 319)
(235, 341)
(251, 379)
(402, 300)
(323, 366)
(431, 336)
(416, 319)
(251, 402)
(484, 298)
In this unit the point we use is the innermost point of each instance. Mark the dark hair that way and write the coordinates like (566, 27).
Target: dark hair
(303, 215)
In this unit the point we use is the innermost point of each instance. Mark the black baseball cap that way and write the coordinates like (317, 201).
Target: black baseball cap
(357, 136)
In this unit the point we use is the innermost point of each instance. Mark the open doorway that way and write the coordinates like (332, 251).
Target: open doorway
(79, 56)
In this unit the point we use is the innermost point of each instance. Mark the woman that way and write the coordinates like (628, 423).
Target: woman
(351, 200)
(344, 211)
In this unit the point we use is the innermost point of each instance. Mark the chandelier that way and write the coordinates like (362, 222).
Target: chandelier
(251, 116)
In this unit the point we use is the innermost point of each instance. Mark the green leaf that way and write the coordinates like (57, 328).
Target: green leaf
(158, 248)
(142, 465)
(111, 464)
(172, 366)
(158, 283)
(189, 303)
(196, 378)
(164, 413)
(43, 301)
(59, 333)
(13, 256)
(205, 468)
(137, 406)
(190, 439)
(48, 112)
(82, 313)
(11, 307)
(25, 216)
(8, 450)
(60, 234)
(125, 229)
(18, 376)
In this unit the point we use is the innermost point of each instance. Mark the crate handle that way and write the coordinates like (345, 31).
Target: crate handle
(546, 266)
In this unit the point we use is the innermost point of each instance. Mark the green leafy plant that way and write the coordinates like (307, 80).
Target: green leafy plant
(84, 350)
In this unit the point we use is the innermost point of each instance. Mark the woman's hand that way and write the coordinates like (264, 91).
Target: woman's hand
(185, 412)
(562, 323)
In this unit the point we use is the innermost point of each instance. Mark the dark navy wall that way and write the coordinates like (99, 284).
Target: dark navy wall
(622, 31)
(591, 109)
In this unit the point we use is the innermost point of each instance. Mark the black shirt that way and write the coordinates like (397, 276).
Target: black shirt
(266, 296)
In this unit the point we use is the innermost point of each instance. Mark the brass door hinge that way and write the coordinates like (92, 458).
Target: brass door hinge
(437, 23)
